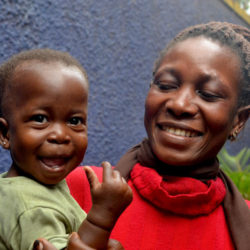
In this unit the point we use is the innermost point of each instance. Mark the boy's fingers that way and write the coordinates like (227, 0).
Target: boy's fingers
(42, 244)
(123, 180)
(91, 176)
(107, 171)
(114, 245)
(37, 245)
(116, 174)
(75, 242)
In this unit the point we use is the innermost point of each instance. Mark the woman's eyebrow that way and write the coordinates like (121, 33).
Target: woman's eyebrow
(168, 70)
(206, 77)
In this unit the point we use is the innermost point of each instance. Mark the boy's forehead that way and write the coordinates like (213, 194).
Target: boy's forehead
(30, 76)
(52, 67)
(47, 73)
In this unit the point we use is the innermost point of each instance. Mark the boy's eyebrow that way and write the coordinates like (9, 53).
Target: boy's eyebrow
(78, 111)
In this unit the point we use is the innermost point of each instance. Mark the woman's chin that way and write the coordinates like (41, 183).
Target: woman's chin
(177, 157)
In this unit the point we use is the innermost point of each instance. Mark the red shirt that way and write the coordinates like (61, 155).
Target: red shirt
(151, 223)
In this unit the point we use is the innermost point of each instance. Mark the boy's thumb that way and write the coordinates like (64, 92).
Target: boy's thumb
(91, 176)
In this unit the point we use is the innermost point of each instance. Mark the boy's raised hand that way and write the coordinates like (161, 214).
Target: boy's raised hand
(109, 198)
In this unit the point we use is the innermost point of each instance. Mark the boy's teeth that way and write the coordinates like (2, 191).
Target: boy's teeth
(178, 131)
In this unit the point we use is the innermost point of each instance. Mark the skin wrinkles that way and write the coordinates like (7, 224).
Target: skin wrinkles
(195, 90)
(47, 139)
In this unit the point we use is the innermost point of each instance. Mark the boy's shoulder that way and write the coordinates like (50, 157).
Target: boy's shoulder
(20, 194)
(26, 203)
(22, 191)
(13, 203)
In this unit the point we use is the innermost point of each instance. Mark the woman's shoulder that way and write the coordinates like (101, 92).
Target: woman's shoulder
(79, 186)
(248, 203)
(78, 174)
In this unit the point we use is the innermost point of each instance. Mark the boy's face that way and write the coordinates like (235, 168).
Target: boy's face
(47, 121)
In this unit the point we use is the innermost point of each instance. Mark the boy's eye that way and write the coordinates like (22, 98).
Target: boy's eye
(76, 121)
(39, 118)
(207, 96)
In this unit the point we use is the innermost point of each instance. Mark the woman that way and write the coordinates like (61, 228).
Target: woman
(199, 97)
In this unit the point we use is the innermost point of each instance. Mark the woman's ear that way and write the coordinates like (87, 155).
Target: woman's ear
(240, 120)
(4, 133)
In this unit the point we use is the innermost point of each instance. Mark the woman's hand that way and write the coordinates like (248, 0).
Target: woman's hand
(75, 243)
(109, 198)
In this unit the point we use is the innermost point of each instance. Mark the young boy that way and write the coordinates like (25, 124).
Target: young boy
(43, 122)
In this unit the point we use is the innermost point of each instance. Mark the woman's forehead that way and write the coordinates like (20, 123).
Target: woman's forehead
(203, 51)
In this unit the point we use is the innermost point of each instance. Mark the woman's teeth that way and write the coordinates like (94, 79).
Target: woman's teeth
(180, 132)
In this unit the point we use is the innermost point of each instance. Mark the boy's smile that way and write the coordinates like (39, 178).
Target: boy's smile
(47, 120)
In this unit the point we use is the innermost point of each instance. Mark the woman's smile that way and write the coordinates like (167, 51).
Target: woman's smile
(177, 138)
(175, 130)
(190, 107)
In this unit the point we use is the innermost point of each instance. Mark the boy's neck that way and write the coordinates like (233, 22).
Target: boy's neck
(14, 171)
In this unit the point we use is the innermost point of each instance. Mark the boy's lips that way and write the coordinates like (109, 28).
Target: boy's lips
(54, 162)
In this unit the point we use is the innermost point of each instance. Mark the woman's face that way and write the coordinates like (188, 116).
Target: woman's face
(190, 109)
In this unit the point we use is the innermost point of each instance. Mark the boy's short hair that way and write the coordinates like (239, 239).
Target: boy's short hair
(42, 55)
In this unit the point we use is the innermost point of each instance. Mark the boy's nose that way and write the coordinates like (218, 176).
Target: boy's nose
(59, 134)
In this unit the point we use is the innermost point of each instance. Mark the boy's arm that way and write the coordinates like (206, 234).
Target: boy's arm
(74, 243)
(109, 199)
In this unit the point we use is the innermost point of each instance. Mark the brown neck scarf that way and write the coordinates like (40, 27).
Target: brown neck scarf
(236, 210)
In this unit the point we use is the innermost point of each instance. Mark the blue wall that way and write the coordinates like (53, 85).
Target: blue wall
(117, 41)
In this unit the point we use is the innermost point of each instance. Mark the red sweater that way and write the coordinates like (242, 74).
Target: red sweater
(159, 217)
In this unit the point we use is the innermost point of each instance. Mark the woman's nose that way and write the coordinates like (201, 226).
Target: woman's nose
(59, 134)
(181, 104)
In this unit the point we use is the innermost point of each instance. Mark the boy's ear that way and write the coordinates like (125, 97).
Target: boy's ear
(240, 120)
(4, 133)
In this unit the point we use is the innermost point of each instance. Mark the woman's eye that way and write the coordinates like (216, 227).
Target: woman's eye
(164, 85)
(76, 121)
(39, 118)
(210, 97)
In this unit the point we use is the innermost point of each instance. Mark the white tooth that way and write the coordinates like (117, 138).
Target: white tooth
(183, 133)
(178, 131)
(171, 130)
